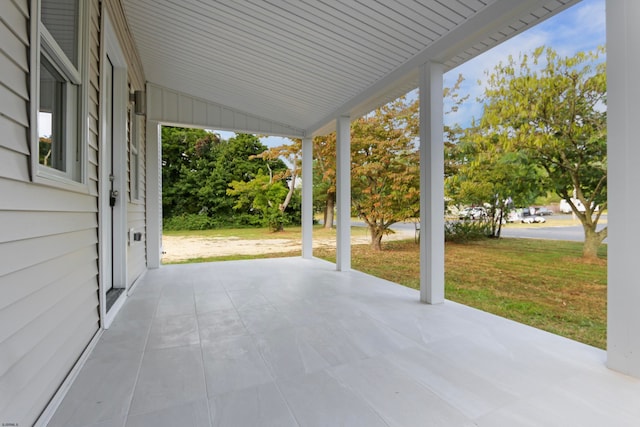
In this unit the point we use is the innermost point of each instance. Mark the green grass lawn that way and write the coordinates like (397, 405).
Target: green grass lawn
(541, 283)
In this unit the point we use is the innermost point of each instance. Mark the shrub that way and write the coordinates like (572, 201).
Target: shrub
(188, 222)
(466, 230)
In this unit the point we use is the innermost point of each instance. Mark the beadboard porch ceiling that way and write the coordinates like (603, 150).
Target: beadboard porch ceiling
(304, 63)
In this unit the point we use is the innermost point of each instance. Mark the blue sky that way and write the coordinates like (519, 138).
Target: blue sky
(579, 28)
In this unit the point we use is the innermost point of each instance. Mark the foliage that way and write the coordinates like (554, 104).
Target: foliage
(324, 171)
(552, 109)
(197, 170)
(467, 230)
(262, 196)
(292, 153)
(489, 176)
(188, 222)
(385, 172)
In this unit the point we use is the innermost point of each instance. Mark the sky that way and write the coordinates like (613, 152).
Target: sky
(579, 28)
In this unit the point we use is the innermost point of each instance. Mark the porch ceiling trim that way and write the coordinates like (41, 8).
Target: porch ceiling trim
(171, 107)
(291, 67)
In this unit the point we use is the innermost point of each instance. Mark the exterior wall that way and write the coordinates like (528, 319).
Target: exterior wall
(48, 245)
(136, 208)
(49, 276)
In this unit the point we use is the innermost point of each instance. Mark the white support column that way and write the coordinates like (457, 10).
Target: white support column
(307, 198)
(623, 148)
(431, 184)
(343, 193)
(154, 194)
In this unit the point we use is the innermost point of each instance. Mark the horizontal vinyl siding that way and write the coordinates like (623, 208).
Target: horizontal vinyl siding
(93, 89)
(136, 209)
(48, 243)
(136, 255)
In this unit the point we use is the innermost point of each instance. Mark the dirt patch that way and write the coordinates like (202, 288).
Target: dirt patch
(179, 248)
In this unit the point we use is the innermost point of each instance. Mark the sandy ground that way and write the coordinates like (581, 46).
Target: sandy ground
(182, 248)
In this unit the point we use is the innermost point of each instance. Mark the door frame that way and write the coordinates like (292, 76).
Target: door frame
(112, 235)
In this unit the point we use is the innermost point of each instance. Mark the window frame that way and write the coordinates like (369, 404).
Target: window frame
(75, 124)
(136, 125)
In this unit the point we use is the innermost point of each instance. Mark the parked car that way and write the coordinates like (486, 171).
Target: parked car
(566, 208)
(514, 216)
(531, 219)
(473, 213)
(543, 211)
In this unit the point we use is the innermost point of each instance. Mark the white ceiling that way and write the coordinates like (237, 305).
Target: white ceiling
(304, 63)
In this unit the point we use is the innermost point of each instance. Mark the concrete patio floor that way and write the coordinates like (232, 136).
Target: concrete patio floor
(292, 342)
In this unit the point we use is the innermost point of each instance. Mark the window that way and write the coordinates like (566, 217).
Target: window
(136, 126)
(59, 90)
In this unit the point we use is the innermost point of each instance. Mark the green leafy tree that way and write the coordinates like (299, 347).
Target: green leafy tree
(292, 153)
(198, 168)
(385, 186)
(552, 109)
(179, 165)
(263, 196)
(486, 175)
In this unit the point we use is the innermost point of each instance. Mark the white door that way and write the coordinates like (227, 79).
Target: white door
(113, 203)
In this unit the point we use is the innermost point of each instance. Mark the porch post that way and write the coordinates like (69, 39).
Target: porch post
(431, 184)
(307, 198)
(343, 193)
(154, 194)
(623, 149)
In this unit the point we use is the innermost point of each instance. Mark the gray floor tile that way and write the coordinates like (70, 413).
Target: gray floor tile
(138, 309)
(124, 339)
(458, 385)
(298, 321)
(260, 406)
(263, 318)
(291, 352)
(101, 392)
(213, 301)
(169, 377)
(176, 305)
(173, 331)
(247, 297)
(233, 363)
(396, 396)
(215, 325)
(319, 400)
(190, 414)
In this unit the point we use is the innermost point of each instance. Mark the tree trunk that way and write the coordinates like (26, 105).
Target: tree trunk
(328, 211)
(592, 241)
(376, 237)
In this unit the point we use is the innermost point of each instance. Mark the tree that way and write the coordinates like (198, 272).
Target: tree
(198, 167)
(263, 195)
(292, 153)
(552, 108)
(385, 171)
(324, 151)
(486, 175)
(179, 158)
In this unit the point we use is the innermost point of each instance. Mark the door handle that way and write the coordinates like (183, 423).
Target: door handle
(113, 195)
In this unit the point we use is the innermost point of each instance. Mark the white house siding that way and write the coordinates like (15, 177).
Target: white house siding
(136, 212)
(48, 235)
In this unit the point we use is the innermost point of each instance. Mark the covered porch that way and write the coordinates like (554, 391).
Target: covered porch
(292, 342)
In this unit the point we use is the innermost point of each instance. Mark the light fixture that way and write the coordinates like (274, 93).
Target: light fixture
(139, 103)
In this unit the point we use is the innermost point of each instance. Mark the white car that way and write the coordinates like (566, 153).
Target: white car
(533, 219)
